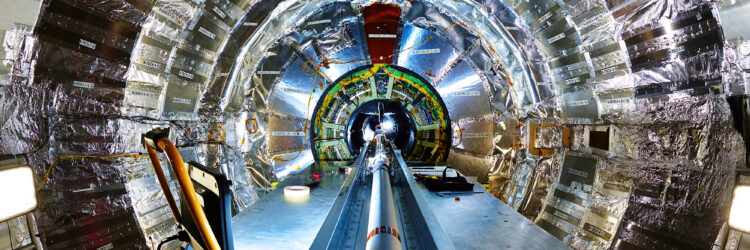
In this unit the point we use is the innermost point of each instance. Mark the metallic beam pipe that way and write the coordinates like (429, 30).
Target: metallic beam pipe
(382, 226)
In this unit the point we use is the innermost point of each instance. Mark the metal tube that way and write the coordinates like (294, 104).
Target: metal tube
(382, 226)
(34, 231)
(163, 182)
(186, 186)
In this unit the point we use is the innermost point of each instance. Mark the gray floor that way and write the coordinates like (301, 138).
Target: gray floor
(272, 223)
(482, 221)
(476, 221)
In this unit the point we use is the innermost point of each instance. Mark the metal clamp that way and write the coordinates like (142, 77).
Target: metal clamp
(150, 138)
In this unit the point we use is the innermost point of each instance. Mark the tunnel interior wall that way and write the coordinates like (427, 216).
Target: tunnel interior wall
(651, 76)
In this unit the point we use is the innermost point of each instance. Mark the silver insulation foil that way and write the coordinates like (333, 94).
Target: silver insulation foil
(232, 80)
(73, 98)
(548, 137)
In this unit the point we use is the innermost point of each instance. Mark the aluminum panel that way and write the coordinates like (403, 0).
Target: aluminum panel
(297, 89)
(292, 226)
(564, 207)
(580, 106)
(351, 55)
(181, 100)
(425, 53)
(286, 135)
(501, 225)
(474, 136)
(464, 93)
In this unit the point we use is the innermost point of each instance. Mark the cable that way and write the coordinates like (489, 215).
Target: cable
(342, 60)
(326, 61)
(168, 239)
(181, 235)
(49, 169)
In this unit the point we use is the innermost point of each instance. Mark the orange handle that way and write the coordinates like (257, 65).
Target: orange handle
(163, 182)
(186, 186)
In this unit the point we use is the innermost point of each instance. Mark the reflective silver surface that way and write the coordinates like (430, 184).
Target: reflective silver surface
(272, 223)
(464, 92)
(501, 226)
(660, 71)
(429, 58)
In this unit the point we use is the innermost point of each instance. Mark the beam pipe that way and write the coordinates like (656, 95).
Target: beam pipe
(382, 227)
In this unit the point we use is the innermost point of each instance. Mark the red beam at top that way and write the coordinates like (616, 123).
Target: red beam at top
(381, 26)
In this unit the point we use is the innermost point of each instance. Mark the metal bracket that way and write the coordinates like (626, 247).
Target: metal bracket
(150, 138)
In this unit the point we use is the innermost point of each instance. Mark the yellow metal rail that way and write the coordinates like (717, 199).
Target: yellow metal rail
(187, 189)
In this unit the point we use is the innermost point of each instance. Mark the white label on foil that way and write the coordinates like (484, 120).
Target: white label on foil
(467, 93)
(81, 84)
(556, 38)
(573, 80)
(591, 20)
(83, 190)
(578, 103)
(106, 247)
(142, 93)
(432, 23)
(181, 100)
(206, 32)
(545, 17)
(578, 173)
(609, 70)
(597, 231)
(618, 100)
(511, 28)
(219, 12)
(475, 135)
(288, 133)
(186, 74)
(509, 133)
(319, 22)
(179, 114)
(151, 64)
(560, 214)
(425, 51)
(222, 74)
(381, 35)
(269, 72)
(253, 24)
(87, 44)
(170, 15)
(295, 90)
(677, 50)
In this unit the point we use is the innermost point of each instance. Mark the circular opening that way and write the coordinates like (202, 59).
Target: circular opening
(386, 98)
(385, 116)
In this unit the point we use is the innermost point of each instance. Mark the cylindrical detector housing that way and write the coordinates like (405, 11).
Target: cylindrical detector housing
(382, 227)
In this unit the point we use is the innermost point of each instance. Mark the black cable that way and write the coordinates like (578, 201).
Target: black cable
(181, 235)
(168, 239)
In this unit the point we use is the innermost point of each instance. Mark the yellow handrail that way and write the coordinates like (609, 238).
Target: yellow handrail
(187, 189)
(163, 182)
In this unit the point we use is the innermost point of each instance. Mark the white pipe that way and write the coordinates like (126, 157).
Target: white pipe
(382, 228)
